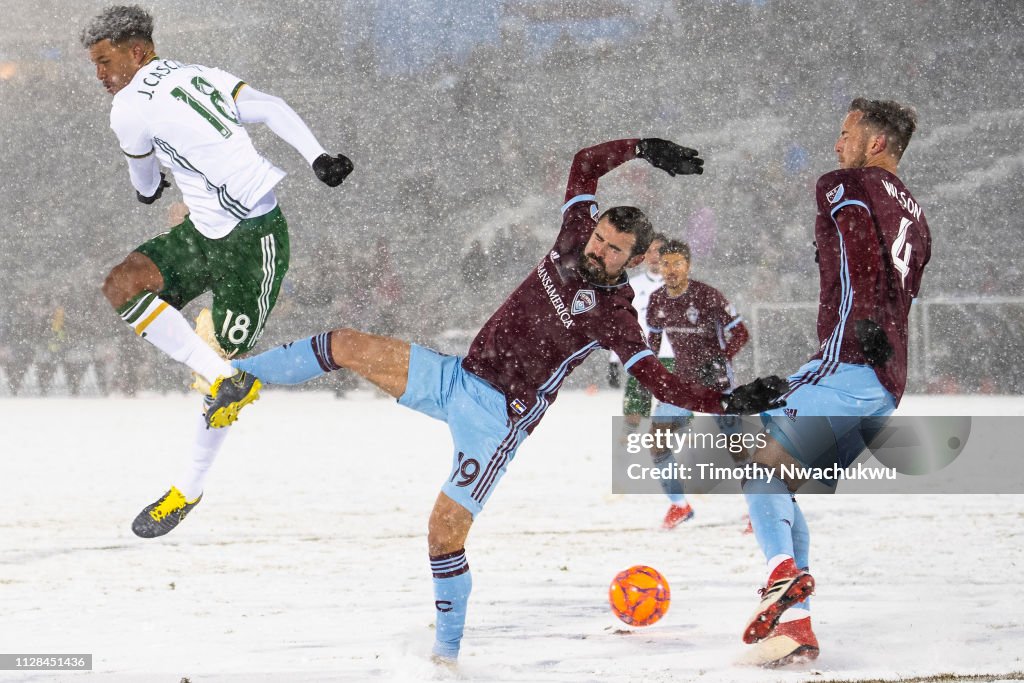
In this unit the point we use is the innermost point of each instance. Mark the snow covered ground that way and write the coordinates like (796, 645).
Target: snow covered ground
(306, 560)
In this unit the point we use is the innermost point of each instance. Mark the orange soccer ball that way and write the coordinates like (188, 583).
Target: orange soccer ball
(639, 595)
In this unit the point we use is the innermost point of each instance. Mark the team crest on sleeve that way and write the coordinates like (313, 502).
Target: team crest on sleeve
(518, 406)
(835, 194)
(584, 300)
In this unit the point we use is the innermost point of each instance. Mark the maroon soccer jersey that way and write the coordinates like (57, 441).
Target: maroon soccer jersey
(555, 318)
(873, 244)
(701, 325)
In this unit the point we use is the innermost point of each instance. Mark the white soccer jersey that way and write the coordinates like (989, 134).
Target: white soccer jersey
(186, 115)
(643, 285)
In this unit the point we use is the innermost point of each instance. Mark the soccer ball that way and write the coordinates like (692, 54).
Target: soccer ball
(639, 595)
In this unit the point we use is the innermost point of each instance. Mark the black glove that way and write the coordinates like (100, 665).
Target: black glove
(156, 195)
(670, 157)
(614, 379)
(874, 343)
(710, 374)
(332, 170)
(758, 396)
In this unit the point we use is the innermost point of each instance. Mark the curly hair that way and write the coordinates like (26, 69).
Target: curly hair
(118, 24)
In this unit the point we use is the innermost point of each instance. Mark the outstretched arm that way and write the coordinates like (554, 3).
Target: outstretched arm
(259, 107)
(593, 162)
(762, 394)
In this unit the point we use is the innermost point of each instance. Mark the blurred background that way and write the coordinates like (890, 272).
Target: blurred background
(462, 119)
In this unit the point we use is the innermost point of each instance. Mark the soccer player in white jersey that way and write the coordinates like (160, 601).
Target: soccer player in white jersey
(234, 241)
(636, 401)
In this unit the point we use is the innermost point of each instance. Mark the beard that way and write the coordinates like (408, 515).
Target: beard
(593, 270)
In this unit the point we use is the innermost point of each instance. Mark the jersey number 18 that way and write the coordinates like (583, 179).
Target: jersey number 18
(216, 99)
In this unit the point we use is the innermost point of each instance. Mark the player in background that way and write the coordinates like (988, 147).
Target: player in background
(873, 244)
(233, 242)
(705, 333)
(576, 300)
(636, 400)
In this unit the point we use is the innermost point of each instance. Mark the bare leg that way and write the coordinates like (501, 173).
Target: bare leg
(453, 583)
(136, 274)
(384, 361)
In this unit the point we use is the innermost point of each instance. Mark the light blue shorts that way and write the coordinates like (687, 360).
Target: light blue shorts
(485, 440)
(832, 410)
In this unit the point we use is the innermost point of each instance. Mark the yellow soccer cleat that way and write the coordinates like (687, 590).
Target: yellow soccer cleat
(228, 395)
(159, 518)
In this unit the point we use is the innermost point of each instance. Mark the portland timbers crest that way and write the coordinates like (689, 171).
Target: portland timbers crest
(584, 300)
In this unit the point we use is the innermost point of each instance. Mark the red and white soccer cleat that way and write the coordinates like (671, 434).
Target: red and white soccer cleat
(791, 642)
(787, 586)
(676, 515)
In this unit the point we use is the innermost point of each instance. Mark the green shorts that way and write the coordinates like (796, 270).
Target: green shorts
(637, 400)
(244, 271)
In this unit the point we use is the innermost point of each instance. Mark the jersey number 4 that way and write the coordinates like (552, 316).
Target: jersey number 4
(902, 260)
(204, 87)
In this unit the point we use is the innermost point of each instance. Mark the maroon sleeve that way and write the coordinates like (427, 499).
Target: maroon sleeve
(864, 258)
(669, 388)
(593, 162)
(736, 339)
(736, 336)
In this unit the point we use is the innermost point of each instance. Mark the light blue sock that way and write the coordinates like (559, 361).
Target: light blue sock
(453, 583)
(771, 515)
(293, 363)
(673, 487)
(801, 546)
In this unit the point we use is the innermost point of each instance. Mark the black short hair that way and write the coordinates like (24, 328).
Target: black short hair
(118, 24)
(897, 121)
(632, 220)
(675, 247)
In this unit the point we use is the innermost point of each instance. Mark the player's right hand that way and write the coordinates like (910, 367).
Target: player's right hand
(669, 157)
(156, 195)
(764, 393)
(332, 170)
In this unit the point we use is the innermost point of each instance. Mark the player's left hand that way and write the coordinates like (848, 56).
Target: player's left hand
(669, 157)
(332, 170)
(764, 393)
(873, 342)
(156, 195)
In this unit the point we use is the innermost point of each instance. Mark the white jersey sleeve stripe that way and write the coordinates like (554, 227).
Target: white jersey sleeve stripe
(849, 202)
(577, 199)
(637, 357)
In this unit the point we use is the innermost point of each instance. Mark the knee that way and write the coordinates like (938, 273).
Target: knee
(134, 275)
(119, 285)
(448, 529)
